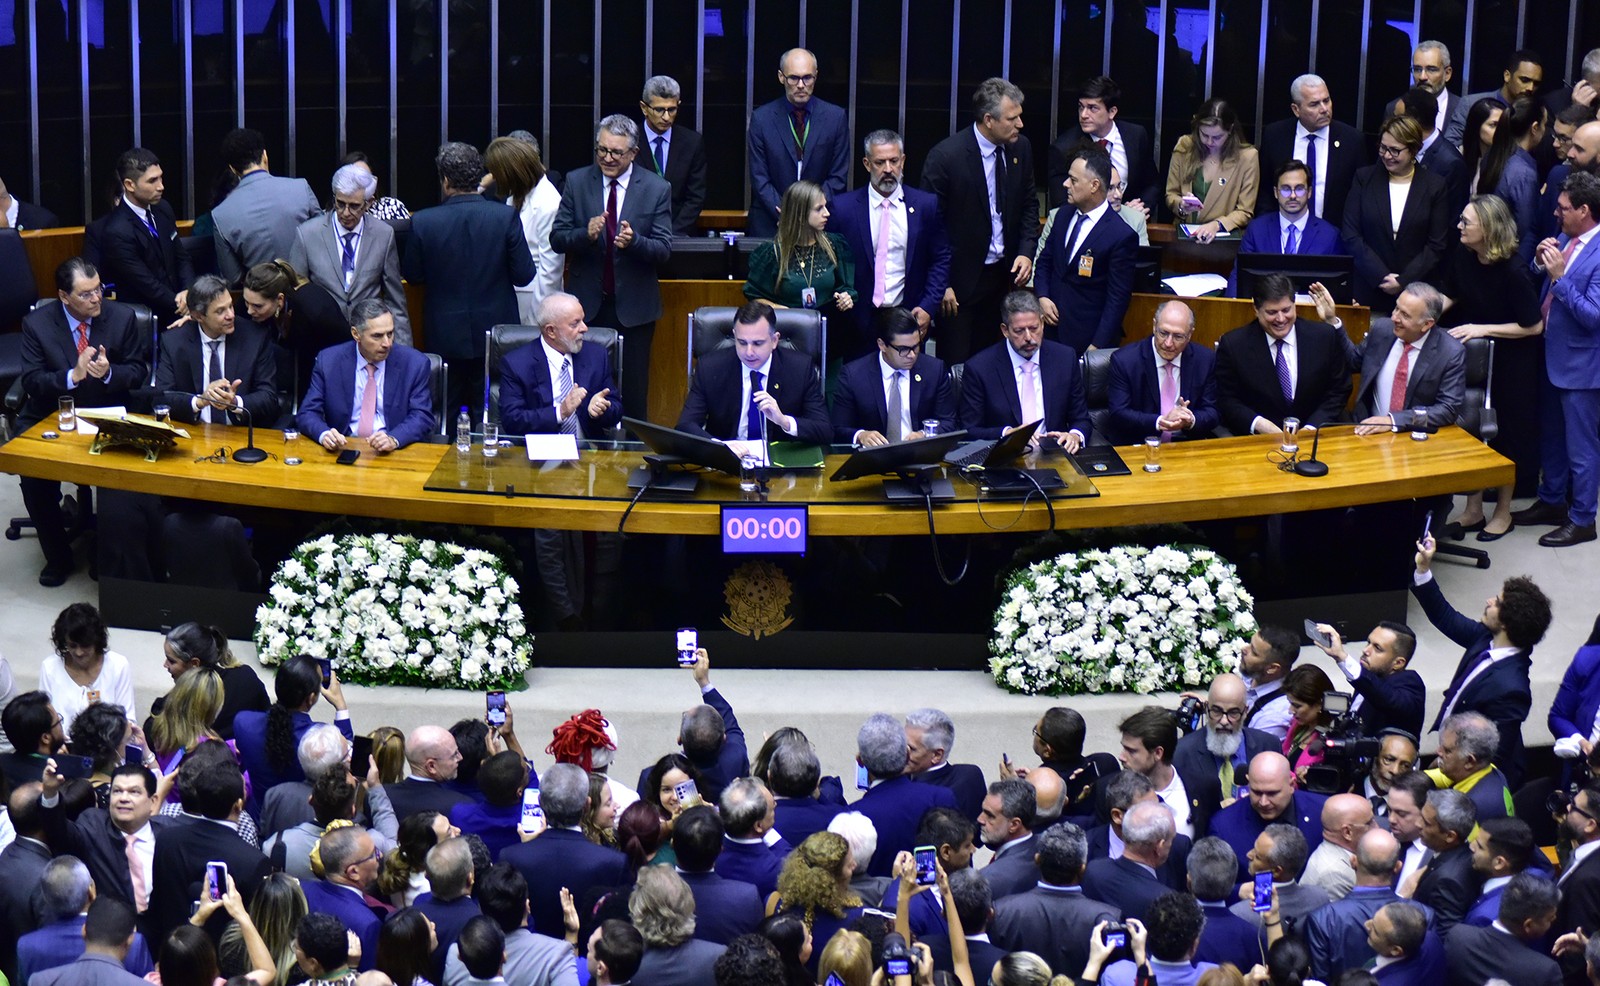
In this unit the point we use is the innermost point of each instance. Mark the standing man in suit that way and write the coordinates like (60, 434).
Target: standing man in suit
(1438, 156)
(1130, 882)
(349, 257)
(1337, 933)
(885, 397)
(85, 348)
(984, 180)
(1492, 677)
(1127, 143)
(615, 226)
(1215, 758)
(1273, 798)
(1171, 392)
(930, 736)
(212, 789)
(1331, 149)
(1408, 951)
(1005, 824)
(1281, 849)
(725, 908)
(256, 223)
(1408, 371)
(118, 845)
(733, 390)
(19, 215)
(109, 939)
(139, 248)
(909, 267)
(1213, 879)
(1389, 695)
(1569, 442)
(1085, 274)
(1431, 70)
(1282, 366)
(674, 152)
(1580, 880)
(1292, 229)
(217, 363)
(432, 760)
(1467, 744)
(21, 865)
(1501, 849)
(1124, 790)
(1053, 919)
(389, 402)
(1512, 949)
(349, 866)
(893, 802)
(1345, 819)
(1447, 883)
(1023, 379)
(1523, 75)
(561, 857)
(798, 137)
(559, 385)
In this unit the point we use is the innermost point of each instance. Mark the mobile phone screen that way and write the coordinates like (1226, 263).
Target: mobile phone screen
(862, 780)
(327, 671)
(1116, 939)
(688, 643)
(495, 702)
(532, 813)
(1263, 893)
(360, 757)
(216, 879)
(927, 865)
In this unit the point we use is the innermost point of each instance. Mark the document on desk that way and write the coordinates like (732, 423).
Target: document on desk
(745, 449)
(552, 448)
(1195, 285)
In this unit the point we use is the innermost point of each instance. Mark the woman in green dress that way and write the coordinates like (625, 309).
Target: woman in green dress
(805, 266)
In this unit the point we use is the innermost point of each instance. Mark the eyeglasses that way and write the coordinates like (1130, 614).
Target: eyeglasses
(1221, 713)
(1293, 190)
(349, 207)
(662, 110)
(611, 153)
(1384, 150)
(909, 351)
(91, 294)
(800, 80)
(1119, 187)
(1574, 807)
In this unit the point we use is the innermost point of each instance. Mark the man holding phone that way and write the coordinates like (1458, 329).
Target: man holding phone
(117, 845)
(1389, 695)
(32, 726)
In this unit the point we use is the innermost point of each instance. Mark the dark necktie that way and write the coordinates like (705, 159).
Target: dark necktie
(1311, 172)
(608, 276)
(1072, 234)
(1000, 182)
(1292, 245)
(661, 156)
(150, 224)
(752, 421)
(799, 127)
(1285, 382)
(348, 262)
(213, 367)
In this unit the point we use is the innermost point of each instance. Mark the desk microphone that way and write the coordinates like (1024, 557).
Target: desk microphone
(249, 455)
(1314, 469)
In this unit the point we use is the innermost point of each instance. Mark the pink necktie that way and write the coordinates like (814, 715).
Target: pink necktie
(1566, 255)
(369, 403)
(880, 265)
(1029, 394)
(1169, 393)
(141, 898)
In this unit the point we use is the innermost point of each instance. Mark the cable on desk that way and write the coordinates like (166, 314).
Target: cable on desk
(967, 473)
(933, 538)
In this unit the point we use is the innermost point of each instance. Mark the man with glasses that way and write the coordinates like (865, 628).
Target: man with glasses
(1215, 758)
(1292, 229)
(1575, 136)
(794, 138)
(33, 728)
(85, 348)
(1163, 386)
(351, 258)
(1580, 878)
(1127, 143)
(673, 151)
(349, 865)
(1389, 695)
(888, 396)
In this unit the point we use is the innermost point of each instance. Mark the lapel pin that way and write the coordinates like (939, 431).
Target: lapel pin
(1222, 181)
(1013, 159)
(916, 377)
(910, 208)
(1336, 143)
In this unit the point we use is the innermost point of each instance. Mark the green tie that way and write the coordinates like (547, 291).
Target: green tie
(1225, 775)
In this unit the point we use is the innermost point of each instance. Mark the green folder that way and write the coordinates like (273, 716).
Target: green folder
(795, 455)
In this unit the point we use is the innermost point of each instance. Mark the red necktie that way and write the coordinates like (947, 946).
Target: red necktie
(83, 336)
(1105, 144)
(1397, 392)
(608, 277)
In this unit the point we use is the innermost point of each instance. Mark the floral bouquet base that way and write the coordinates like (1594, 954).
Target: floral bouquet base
(397, 610)
(1126, 619)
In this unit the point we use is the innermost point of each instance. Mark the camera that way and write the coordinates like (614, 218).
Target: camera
(1347, 753)
(896, 955)
(1191, 714)
(1116, 934)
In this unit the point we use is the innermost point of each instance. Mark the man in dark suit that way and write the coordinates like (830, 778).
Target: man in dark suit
(1023, 379)
(139, 248)
(1214, 759)
(724, 909)
(349, 257)
(793, 774)
(734, 390)
(615, 227)
(1127, 789)
(1281, 366)
(1127, 143)
(561, 856)
(212, 791)
(333, 407)
(560, 384)
(65, 892)
(1501, 849)
(930, 736)
(1447, 883)
(1467, 742)
(432, 760)
(1439, 156)
(970, 895)
(796, 138)
(85, 348)
(1006, 824)
(1512, 950)
(1272, 799)
(1130, 882)
(1580, 880)
(472, 254)
(1389, 695)
(894, 802)
(915, 255)
(1280, 850)
(101, 838)
(21, 864)
(1410, 951)
(710, 736)
(1430, 70)
(1522, 76)
(899, 374)
(1170, 391)
(350, 864)
(1337, 932)
(1055, 918)
(1085, 273)
(1492, 676)
(19, 215)
(1333, 150)
(33, 728)
(1407, 369)
(662, 908)
(217, 363)
(108, 941)
(1213, 879)
(984, 180)
(256, 223)
(674, 152)
(1291, 229)
(748, 812)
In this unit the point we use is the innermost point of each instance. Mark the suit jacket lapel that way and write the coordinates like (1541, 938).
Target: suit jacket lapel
(333, 254)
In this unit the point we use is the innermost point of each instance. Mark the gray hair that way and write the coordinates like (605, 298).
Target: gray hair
(1527, 897)
(1018, 800)
(1432, 299)
(1444, 51)
(205, 290)
(321, 751)
(551, 304)
(662, 907)
(618, 125)
(1289, 850)
(449, 866)
(1213, 869)
(1455, 811)
(1063, 850)
(1476, 736)
(64, 888)
(564, 792)
(938, 731)
(660, 87)
(1147, 823)
(1591, 65)
(1409, 925)
(364, 311)
(340, 848)
(991, 94)
(1161, 308)
(881, 744)
(1018, 302)
(743, 806)
(1297, 87)
(1125, 789)
(525, 137)
(460, 165)
(880, 137)
(793, 769)
(862, 836)
(353, 178)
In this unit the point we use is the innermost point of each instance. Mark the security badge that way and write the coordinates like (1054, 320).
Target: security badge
(808, 297)
(1086, 264)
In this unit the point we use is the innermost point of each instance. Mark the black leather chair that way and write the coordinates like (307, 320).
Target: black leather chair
(502, 339)
(438, 387)
(957, 372)
(17, 290)
(1095, 365)
(801, 329)
(1478, 419)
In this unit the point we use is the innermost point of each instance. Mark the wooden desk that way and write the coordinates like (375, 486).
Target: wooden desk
(1207, 480)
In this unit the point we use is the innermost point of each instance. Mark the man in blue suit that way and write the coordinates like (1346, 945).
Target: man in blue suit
(1025, 378)
(1085, 274)
(62, 898)
(798, 137)
(1569, 445)
(1409, 952)
(339, 399)
(898, 376)
(793, 774)
(893, 802)
(1336, 933)
(1213, 879)
(1171, 392)
(748, 812)
(1501, 848)
(1273, 799)
(561, 856)
(1293, 229)
(559, 385)
(916, 253)
(1131, 882)
(349, 863)
(724, 908)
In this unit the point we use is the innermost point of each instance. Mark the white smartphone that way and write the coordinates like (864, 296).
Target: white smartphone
(688, 643)
(532, 813)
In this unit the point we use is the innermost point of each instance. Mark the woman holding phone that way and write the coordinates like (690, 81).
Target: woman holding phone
(269, 741)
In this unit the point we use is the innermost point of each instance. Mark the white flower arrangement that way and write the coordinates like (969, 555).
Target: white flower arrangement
(397, 610)
(1127, 619)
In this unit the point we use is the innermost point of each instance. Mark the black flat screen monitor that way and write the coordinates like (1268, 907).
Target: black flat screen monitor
(695, 449)
(1335, 272)
(742, 249)
(1147, 270)
(697, 258)
(886, 460)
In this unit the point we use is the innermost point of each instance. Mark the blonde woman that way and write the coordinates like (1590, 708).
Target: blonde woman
(804, 266)
(1213, 174)
(815, 882)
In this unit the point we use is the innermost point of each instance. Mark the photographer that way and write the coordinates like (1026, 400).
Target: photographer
(1389, 695)
(1218, 754)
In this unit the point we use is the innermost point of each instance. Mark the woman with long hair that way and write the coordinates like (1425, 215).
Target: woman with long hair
(804, 266)
(641, 836)
(1303, 744)
(274, 914)
(815, 883)
(405, 875)
(600, 818)
(662, 782)
(83, 668)
(1477, 136)
(269, 742)
(1509, 171)
(406, 942)
(303, 317)
(1214, 172)
(791, 937)
(187, 718)
(189, 958)
(194, 645)
(847, 955)
(389, 753)
(520, 175)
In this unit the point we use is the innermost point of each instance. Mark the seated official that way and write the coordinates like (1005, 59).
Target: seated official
(1293, 229)
(1409, 373)
(1023, 379)
(558, 384)
(885, 398)
(218, 362)
(1085, 275)
(19, 215)
(734, 389)
(1281, 366)
(1163, 385)
(384, 397)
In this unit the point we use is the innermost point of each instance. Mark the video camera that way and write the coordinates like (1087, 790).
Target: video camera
(1190, 714)
(1347, 753)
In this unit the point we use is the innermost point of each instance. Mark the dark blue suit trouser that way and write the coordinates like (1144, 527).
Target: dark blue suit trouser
(1569, 450)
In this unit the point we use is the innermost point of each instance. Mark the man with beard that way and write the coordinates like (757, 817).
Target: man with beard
(1397, 754)
(1218, 754)
(1389, 695)
(1263, 664)
(1407, 794)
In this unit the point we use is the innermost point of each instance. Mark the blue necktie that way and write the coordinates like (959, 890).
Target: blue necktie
(1292, 242)
(150, 224)
(348, 263)
(752, 421)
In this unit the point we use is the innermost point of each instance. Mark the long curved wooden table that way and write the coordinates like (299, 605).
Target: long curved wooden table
(1207, 480)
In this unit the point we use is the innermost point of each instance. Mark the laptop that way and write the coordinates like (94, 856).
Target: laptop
(990, 453)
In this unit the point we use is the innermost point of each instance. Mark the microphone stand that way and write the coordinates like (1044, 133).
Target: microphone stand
(249, 455)
(1314, 469)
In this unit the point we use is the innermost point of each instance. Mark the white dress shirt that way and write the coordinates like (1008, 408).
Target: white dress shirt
(1035, 411)
(622, 193)
(204, 408)
(538, 215)
(138, 210)
(378, 423)
(888, 373)
(1579, 854)
(790, 426)
(1415, 855)
(1176, 797)
(1090, 220)
(1289, 357)
(650, 137)
(894, 270)
(338, 246)
(1118, 150)
(1299, 223)
(1319, 166)
(15, 206)
(997, 241)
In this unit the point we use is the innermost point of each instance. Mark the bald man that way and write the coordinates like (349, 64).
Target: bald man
(1345, 819)
(1218, 754)
(431, 760)
(1050, 796)
(1272, 798)
(1337, 934)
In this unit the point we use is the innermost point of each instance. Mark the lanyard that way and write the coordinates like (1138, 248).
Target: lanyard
(800, 137)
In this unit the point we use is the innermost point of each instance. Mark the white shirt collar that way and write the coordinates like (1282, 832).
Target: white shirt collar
(650, 137)
(1093, 215)
(138, 209)
(1494, 883)
(765, 369)
(1300, 132)
(884, 370)
(1302, 221)
(985, 145)
(622, 179)
(1177, 361)
(1016, 358)
(1584, 238)
(339, 231)
(552, 355)
(896, 198)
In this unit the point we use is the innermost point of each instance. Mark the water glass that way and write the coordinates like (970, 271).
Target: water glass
(491, 439)
(1152, 454)
(66, 415)
(930, 427)
(1291, 441)
(749, 479)
(163, 413)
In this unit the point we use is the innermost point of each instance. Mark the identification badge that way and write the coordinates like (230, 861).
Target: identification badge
(808, 297)
(93, 695)
(1086, 266)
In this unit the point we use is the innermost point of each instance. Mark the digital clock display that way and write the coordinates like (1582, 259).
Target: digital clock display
(763, 529)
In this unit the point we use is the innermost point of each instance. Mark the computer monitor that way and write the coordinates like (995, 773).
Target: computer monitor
(742, 249)
(697, 258)
(887, 460)
(694, 449)
(1335, 272)
(1147, 270)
